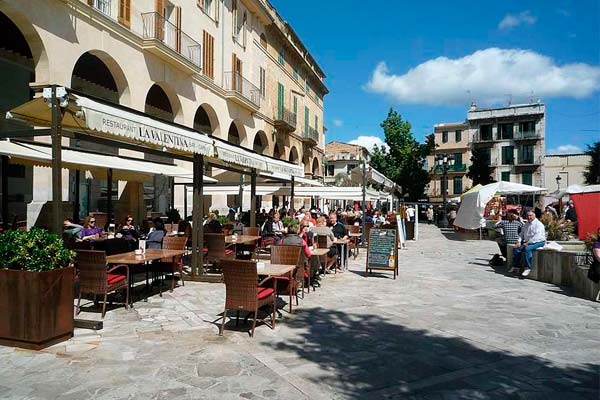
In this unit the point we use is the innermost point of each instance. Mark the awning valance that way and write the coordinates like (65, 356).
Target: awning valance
(239, 156)
(95, 117)
(332, 192)
(282, 167)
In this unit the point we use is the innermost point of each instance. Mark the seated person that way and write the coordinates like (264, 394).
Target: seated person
(212, 224)
(128, 230)
(90, 231)
(306, 233)
(238, 227)
(277, 226)
(293, 238)
(70, 229)
(156, 235)
(323, 230)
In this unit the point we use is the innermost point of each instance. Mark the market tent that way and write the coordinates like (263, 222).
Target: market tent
(587, 207)
(470, 213)
(473, 189)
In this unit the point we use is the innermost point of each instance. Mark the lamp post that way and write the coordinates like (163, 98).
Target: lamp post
(445, 162)
(558, 179)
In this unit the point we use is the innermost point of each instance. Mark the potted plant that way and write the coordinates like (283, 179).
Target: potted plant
(36, 289)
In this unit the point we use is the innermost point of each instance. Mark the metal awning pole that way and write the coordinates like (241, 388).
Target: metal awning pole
(291, 207)
(5, 192)
(185, 205)
(364, 200)
(253, 198)
(77, 193)
(56, 135)
(109, 187)
(241, 193)
(197, 211)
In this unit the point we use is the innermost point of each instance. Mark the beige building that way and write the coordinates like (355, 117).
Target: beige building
(341, 158)
(569, 167)
(452, 139)
(232, 69)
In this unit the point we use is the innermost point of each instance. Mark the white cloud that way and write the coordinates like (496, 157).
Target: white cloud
(338, 122)
(486, 76)
(369, 142)
(513, 20)
(566, 149)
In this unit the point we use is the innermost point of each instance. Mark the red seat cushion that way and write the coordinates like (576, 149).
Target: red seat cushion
(115, 278)
(263, 292)
(205, 249)
(228, 252)
(306, 275)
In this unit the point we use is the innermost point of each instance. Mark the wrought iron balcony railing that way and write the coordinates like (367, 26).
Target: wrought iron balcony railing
(453, 168)
(285, 118)
(236, 83)
(527, 135)
(158, 28)
(311, 133)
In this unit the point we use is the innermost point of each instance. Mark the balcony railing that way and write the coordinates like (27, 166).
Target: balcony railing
(528, 160)
(285, 118)
(527, 135)
(104, 6)
(156, 27)
(478, 138)
(235, 82)
(311, 133)
(453, 168)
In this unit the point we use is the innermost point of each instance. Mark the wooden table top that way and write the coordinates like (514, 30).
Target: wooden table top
(355, 234)
(131, 258)
(241, 239)
(341, 241)
(319, 252)
(276, 269)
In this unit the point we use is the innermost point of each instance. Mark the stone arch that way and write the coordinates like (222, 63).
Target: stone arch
(162, 102)
(98, 74)
(293, 158)
(260, 143)
(206, 120)
(316, 168)
(236, 133)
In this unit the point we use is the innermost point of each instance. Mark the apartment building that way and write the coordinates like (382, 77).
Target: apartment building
(341, 158)
(451, 139)
(513, 138)
(232, 69)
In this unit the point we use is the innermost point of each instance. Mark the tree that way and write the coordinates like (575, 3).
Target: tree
(479, 170)
(403, 159)
(592, 171)
(343, 179)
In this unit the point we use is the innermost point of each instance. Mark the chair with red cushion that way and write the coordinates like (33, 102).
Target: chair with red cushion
(95, 277)
(243, 292)
(216, 249)
(289, 255)
(173, 264)
(252, 248)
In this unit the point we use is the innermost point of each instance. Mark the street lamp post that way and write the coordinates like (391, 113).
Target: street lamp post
(558, 179)
(445, 162)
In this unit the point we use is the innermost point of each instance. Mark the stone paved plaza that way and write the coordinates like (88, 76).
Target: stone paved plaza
(449, 327)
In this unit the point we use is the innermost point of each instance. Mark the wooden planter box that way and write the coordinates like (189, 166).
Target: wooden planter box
(36, 308)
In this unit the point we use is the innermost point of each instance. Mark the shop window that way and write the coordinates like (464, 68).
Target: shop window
(445, 137)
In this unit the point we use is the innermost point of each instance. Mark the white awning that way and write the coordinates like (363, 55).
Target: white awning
(98, 164)
(239, 156)
(95, 117)
(234, 190)
(373, 176)
(332, 192)
(286, 168)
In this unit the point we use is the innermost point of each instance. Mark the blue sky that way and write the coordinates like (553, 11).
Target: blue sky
(438, 55)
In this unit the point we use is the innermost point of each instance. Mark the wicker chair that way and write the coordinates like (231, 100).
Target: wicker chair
(174, 264)
(97, 279)
(216, 249)
(243, 292)
(368, 226)
(289, 255)
(322, 242)
(253, 247)
(353, 243)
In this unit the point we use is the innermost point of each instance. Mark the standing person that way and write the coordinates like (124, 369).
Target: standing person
(594, 271)
(451, 217)
(571, 216)
(511, 228)
(326, 208)
(532, 236)
(430, 215)
(410, 212)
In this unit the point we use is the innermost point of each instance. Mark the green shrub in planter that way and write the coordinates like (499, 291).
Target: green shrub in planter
(287, 221)
(223, 220)
(35, 250)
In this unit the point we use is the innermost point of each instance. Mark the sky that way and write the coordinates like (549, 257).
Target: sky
(429, 59)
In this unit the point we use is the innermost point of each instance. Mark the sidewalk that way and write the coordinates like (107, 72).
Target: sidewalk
(448, 327)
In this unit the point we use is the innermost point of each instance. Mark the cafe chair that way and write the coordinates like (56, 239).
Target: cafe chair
(171, 264)
(243, 293)
(289, 255)
(252, 248)
(216, 250)
(322, 242)
(353, 240)
(98, 279)
(368, 226)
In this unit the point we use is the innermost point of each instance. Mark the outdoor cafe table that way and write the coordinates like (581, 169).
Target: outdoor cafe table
(131, 258)
(241, 239)
(319, 252)
(357, 234)
(343, 244)
(278, 270)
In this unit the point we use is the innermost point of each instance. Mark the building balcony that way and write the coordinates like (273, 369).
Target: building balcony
(528, 135)
(452, 169)
(311, 135)
(241, 91)
(285, 120)
(528, 161)
(478, 138)
(170, 43)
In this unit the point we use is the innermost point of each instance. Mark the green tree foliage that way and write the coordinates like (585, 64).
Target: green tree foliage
(592, 171)
(479, 170)
(403, 160)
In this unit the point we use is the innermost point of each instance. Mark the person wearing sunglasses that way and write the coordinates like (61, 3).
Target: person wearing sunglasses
(90, 231)
(128, 229)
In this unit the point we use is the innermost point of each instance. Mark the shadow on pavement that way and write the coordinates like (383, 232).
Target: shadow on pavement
(369, 357)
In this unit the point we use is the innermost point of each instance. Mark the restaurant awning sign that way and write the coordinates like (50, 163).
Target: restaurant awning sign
(239, 156)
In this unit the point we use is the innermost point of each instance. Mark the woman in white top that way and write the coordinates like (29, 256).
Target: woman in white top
(278, 228)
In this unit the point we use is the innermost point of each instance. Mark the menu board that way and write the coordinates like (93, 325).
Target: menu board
(382, 252)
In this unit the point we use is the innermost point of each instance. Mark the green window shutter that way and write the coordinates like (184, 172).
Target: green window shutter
(306, 118)
(280, 94)
(317, 123)
(295, 105)
(505, 176)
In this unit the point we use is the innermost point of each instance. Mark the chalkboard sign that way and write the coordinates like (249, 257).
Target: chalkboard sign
(382, 252)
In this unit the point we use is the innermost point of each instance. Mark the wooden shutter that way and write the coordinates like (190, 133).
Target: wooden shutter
(178, 31)
(90, 3)
(280, 100)
(208, 55)
(306, 118)
(125, 12)
(159, 7)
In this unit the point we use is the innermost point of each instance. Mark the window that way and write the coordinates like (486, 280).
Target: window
(457, 183)
(330, 170)
(306, 118)
(295, 106)
(445, 137)
(526, 154)
(527, 129)
(316, 123)
(206, 6)
(280, 100)
(444, 185)
(508, 155)
(15, 171)
(505, 131)
(125, 12)
(281, 58)
(350, 167)
(208, 52)
(307, 88)
(527, 178)
(296, 74)
(239, 24)
(263, 81)
(505, 176)
(458, 159)
(488, 156)
(485, 132)
(458, 136)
